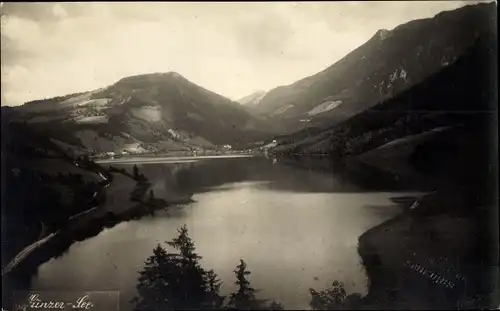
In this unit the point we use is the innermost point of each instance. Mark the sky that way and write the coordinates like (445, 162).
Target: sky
(231, 48)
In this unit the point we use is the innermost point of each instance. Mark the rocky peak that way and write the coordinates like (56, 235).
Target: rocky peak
(382, 34)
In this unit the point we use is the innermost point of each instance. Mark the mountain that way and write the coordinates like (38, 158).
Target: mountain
(161, 111)
(459, 96)
(252, 99)
(389, 63)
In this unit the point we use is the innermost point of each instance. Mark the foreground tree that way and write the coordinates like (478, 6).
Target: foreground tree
(244, 298)
(152, 287)
(190, 287)
(176, 281)
(214, 300)
(334, 298)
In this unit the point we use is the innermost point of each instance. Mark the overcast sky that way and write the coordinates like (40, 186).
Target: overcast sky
(234, 49)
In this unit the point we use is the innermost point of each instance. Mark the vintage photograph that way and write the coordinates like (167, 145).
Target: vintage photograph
(249, 155)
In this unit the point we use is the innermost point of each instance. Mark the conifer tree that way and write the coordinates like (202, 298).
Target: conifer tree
(214, 300)
(152, 287)
(190, 288)
(136, 171)
(244, 298)
(333, 298)
(176, 281)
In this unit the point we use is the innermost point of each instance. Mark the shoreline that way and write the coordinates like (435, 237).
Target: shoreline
(173, 159)
(80, 227)
(410, 264)
(105, 183)
(391, 281)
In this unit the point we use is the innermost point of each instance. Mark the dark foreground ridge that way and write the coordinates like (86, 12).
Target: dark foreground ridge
(425, 259)
(82, 227)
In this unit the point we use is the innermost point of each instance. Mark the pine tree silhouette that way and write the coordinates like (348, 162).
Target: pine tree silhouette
(176, 281)
(334, 298)
(244, 298)
(152, 288)
(136, 171)
(214, 300)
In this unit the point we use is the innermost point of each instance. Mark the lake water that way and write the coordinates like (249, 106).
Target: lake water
(295, 224)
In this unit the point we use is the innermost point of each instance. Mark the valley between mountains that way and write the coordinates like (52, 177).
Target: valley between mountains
(417, 102)
(162, 112)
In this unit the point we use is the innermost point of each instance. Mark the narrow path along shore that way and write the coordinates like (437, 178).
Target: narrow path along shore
(83, 213)
(30, 248)
(25, 252)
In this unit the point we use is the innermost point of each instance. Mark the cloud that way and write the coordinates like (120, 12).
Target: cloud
(232, 48)
(19, 29)
(264, 35)
(59, 11)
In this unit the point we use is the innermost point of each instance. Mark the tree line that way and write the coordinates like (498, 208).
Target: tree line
(177, 281)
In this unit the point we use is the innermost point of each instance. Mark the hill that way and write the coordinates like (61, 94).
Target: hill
(162, 111)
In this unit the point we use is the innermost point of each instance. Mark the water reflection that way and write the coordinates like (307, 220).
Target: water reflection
(296, 175)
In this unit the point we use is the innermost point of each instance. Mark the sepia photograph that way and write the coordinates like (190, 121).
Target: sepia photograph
(336, 155)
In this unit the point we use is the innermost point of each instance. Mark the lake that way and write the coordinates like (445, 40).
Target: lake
(296, 225)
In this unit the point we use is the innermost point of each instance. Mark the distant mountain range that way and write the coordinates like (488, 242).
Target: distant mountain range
(389, 63)
(252, 99)
(165, 111)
